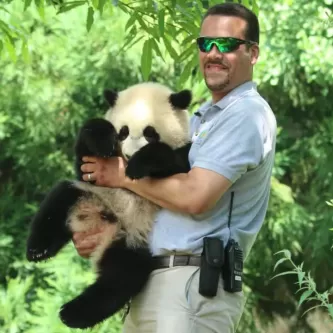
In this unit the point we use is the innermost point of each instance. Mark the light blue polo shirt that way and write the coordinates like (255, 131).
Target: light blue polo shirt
(234, 138)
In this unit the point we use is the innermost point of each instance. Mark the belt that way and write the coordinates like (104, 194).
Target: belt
(176, 260)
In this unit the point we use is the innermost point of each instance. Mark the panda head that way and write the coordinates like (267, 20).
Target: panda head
(149, 112)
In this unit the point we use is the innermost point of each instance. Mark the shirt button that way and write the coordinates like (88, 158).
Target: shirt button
(202, 121)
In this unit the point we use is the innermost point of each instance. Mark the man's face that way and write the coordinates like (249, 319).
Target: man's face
(224, 71)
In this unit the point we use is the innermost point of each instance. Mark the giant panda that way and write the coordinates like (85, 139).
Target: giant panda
(148, 125)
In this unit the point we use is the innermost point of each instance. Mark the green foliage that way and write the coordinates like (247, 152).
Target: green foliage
(42, 104)
(31, 304)
(13, 306)
(307, 285)
(161, 24)
(294, 73)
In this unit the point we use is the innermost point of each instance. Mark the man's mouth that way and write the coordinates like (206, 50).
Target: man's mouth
(215, 67)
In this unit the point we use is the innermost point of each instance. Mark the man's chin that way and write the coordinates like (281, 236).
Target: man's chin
(216, 85)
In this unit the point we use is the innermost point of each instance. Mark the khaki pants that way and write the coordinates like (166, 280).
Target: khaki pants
(171, 303)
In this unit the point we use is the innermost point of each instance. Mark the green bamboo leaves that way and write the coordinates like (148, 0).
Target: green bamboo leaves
(146, 59)
(169, 25)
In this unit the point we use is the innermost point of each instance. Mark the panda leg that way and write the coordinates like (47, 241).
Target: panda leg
(122, 274)
(48, 230)
(158, 160)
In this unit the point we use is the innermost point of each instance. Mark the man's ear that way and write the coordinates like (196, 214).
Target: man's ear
(254, 53)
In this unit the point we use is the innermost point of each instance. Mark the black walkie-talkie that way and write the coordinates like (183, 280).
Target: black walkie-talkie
(233, 267)
(232, 270)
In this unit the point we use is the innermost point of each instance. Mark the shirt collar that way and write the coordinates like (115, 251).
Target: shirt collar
(227, 99)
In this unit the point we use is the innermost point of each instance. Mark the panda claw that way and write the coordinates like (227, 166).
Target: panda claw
(37, 255)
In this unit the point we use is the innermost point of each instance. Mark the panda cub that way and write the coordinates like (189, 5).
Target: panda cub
(148, 125)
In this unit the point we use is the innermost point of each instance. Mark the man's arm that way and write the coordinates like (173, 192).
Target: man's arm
(194, 192)
(234, 144)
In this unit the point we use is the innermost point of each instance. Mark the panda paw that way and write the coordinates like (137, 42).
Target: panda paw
(136, 172)
(42, 250)
(153, 160)
(97, 137)
(77, 314)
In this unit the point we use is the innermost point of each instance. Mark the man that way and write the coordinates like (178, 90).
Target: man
(232, 156)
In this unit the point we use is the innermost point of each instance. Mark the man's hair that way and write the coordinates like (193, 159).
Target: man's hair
(238, 10)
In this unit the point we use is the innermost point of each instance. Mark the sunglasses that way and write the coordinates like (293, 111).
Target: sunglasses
(223, 44)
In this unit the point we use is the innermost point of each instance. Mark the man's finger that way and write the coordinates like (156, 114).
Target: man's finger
(88, 167)
(88, 241)
(88, 177)
(89, 159)
(86, 253)
(77, 236)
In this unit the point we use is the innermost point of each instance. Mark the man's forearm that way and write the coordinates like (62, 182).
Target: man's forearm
(174, 193)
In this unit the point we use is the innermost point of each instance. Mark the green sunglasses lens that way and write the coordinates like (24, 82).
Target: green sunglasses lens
(223, 44)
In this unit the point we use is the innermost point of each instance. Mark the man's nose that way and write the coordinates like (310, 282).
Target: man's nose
(215, 51)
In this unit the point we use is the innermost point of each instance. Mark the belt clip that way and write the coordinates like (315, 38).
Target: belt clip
(171, 260)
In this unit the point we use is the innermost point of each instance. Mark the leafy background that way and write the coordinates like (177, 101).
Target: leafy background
(53, 71)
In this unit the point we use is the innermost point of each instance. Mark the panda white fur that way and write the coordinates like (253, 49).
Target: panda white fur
(148, 125)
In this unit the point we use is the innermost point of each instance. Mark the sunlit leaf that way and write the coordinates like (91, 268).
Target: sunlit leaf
(304, 296)
(27, 4)
(186, 72)
(283, 273)
(25, 52)
(130, 21)
(170, 48)
(161, 14)
(101, 4)
(90, 18)
(9, 45)
(286, 253)
(255, 7)
(301, 276)
(146, 59)
(95, 3)
(330, 310)
(280, 261)
(246, 3)
(70, 5)
(156, 48)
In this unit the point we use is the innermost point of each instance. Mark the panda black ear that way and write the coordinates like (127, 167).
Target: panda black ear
(110, 96)
(181, 100)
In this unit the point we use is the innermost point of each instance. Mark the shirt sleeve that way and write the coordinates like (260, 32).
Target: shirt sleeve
(234, 144)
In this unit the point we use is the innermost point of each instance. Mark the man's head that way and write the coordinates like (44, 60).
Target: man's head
(225, 70)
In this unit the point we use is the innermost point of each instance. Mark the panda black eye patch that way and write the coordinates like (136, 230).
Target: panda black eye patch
(150, 134)
(123, 133)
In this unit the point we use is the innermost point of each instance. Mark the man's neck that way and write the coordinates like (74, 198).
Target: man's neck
(218, 95)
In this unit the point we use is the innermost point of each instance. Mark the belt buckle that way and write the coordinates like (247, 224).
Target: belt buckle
(171, 261)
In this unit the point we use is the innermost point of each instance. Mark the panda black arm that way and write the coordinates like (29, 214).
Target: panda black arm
(97, 137)
(48, 230)
(158, 160)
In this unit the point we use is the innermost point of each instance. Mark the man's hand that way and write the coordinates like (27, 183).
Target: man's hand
(85, 243)
(108, 172)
